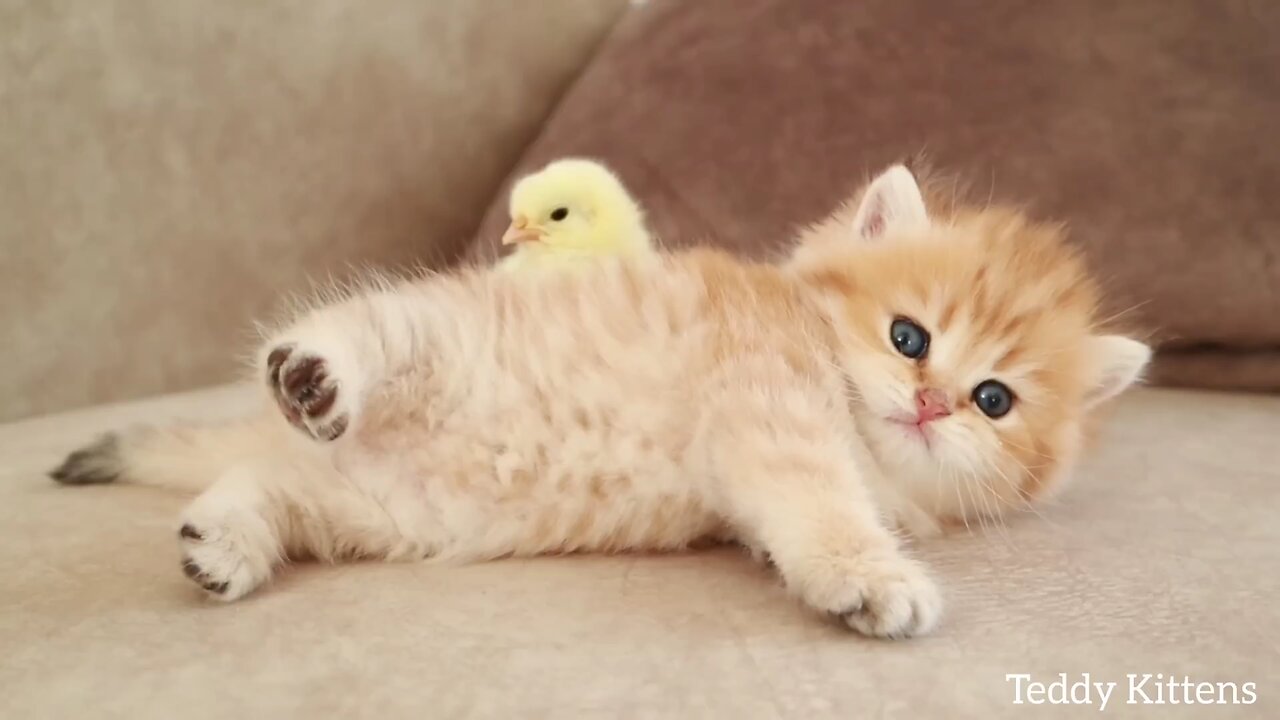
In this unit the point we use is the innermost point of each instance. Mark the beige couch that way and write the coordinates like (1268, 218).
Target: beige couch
(1161, 559)
(169, 169)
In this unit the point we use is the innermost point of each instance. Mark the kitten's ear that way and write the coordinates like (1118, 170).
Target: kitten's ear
(1118, 362)
(891, 201)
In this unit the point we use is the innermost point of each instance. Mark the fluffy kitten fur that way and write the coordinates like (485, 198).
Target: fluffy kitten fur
(656, 401)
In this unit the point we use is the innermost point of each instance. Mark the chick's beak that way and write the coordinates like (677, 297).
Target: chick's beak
(521, 231)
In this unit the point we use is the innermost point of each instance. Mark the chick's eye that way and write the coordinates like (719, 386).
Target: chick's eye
(559, 214)
(993, 398)
(909, 338)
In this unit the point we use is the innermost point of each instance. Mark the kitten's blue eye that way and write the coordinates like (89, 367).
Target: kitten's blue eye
(909, 338)
(559, 214)
(993, 398)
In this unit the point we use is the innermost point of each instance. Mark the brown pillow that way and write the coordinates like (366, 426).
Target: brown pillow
(1147, 125)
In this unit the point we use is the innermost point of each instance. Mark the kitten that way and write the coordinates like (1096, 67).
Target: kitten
(897, 369)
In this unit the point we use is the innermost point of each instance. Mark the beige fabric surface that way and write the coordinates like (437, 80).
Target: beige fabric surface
(1161, 559)
(169, 167)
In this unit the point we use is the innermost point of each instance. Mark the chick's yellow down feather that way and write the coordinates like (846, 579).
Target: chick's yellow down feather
(569, 212)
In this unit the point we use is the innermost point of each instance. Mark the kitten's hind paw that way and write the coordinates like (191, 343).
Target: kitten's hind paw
(224, 560)
(307, 392)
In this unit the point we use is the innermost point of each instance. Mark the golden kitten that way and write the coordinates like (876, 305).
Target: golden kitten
(897, 369)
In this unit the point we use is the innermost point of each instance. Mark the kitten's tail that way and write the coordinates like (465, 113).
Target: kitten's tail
(187, 458)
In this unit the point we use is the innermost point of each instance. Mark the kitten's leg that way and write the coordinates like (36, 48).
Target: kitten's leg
(230, 535)
(788, 480)
(259, 513)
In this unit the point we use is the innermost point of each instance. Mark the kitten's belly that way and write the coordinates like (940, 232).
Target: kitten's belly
(610, 516)
(566, 436)
(603, 477)
(601, 472)
(581, 492)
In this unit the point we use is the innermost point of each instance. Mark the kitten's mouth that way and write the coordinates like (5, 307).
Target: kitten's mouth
(913, 428)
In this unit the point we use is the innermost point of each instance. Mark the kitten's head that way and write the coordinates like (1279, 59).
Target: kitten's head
(971, 342)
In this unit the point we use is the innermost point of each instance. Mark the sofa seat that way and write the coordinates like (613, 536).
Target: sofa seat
(1161, 558)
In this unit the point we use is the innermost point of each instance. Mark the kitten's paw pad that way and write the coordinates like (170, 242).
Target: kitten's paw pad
(192, 569)
(886, 596)
(306, 392)
(212, 560)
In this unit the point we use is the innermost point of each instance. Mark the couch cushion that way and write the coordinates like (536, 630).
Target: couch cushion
(1146, 125)
(170, 168)
(1159, 559)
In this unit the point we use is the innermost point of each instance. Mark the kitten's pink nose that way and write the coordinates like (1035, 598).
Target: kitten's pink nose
(931, 404)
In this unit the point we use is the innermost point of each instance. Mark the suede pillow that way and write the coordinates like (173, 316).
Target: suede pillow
(1146, 125)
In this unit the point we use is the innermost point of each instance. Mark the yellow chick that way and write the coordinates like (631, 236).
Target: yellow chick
(571, 211)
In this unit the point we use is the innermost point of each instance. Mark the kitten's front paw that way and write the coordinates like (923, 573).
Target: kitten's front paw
(881, 594)
(307, 392)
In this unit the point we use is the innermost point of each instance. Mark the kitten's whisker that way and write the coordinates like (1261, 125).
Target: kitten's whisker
(937, 493)
(1004, 442)
(961, 479)
(1030, 473)
(986, 515)
(997, 519)
(964, 515)
(999, 497)
(1112, 318)
(968, 491)
(973, 476)
(1009, 483)
(1027, 505)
